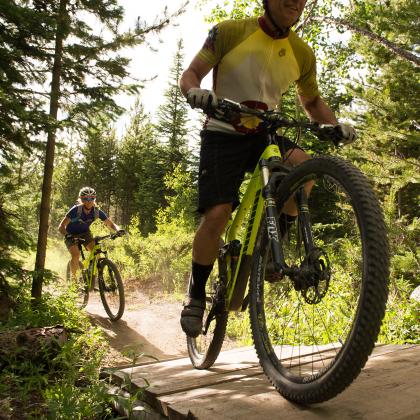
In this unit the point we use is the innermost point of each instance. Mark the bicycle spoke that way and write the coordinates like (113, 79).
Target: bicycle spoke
(310, 313)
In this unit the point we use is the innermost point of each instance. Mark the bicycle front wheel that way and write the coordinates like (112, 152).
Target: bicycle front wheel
(314, 330)
(111, 289)
(204, 349)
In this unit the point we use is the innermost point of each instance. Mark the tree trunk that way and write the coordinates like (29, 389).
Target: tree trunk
(49, 154)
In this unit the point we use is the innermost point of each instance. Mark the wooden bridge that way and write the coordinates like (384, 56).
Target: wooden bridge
(236, 388)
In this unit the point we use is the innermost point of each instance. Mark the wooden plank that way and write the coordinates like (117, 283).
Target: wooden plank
(175, 381)
(171, 377)
(179, 375)
(388, 387)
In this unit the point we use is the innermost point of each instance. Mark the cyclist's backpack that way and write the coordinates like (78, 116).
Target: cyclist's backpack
(78, 217)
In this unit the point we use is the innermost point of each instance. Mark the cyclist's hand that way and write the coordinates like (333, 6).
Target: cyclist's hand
(120, 232)
(68, 236)
(346, 134)
(201, 98)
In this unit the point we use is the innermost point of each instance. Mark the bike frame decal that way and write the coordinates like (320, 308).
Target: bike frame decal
(272, 229)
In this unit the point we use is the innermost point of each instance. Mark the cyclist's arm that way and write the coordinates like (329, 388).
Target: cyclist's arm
(194, 74)
(63, 224)
(108, 222)
(317, 110)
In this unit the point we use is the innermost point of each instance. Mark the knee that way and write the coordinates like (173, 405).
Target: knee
(216, 218)
(74, 255)
(295, 157)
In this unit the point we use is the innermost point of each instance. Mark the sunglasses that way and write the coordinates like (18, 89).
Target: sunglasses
(88, 198)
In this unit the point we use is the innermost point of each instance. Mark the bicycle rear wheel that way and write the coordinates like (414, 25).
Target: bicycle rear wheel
(80, 287)
(314, 332)
(204, 349)
(111, 289)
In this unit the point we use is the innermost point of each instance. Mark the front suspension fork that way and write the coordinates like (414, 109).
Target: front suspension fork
(304, 219)
(272, 217)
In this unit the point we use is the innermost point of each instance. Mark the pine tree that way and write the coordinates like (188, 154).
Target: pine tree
(141, 167)
(173, 114)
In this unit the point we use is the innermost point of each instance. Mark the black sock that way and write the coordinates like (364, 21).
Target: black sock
(200, 274)
(285, 223)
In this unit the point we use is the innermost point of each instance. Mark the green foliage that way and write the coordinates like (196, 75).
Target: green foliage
(402, 318)
(158, 257)
(66, 386)
(239, 328)
(78, 391)
(181, 201)
(19, 191)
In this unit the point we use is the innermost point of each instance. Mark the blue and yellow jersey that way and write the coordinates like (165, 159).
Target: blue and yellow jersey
(252, 66)
(80, 221)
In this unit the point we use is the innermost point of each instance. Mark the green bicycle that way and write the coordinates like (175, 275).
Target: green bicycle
(317, 293)
(110, 285)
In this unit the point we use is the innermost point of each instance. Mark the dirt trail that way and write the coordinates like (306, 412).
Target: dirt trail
(149, 325)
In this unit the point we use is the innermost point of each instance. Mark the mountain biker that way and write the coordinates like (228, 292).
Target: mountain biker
(254, 61)
(76, 224)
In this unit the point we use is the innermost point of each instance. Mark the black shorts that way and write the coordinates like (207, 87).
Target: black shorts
(224, 159)
(87, 236)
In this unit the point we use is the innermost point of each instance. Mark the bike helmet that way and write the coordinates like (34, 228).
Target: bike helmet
(87, 192)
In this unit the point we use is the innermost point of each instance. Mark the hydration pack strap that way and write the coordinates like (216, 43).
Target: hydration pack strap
(78, 217)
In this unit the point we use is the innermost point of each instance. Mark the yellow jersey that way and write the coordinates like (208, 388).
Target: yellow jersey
(252, 66)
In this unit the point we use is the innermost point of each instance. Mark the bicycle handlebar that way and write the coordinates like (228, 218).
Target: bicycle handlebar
(227, 110)
(98, 239)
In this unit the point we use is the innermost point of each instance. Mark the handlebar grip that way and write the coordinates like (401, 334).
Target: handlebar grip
(330, 133)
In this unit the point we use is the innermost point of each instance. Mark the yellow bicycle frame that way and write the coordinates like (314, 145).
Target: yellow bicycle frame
(91, 261)
(251, 206)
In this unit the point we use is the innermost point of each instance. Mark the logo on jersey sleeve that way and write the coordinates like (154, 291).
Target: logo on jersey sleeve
(210, 42)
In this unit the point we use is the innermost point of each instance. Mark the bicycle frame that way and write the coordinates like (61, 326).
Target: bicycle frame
(90, 263)
(257, 197)
(260, 197)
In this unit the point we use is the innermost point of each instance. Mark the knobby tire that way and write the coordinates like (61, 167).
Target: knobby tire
(329, 366)
(110, 282)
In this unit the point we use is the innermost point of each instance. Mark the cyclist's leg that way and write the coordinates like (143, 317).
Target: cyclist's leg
(75, 256)
(222, 168)
(205, 250)
(89, 242)
(294, 157)
(206, 240)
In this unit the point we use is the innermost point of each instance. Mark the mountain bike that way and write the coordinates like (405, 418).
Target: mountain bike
(317, 291)
(98, 267)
